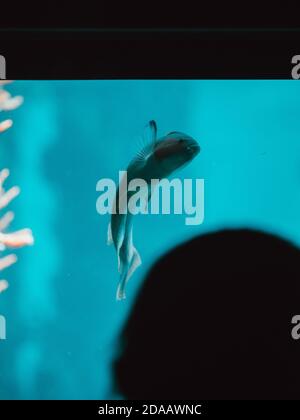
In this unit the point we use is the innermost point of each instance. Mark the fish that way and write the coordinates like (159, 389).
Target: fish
(158, 159)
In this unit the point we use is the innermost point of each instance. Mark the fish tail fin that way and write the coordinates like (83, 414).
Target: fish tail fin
(109, 235)
(121, 289)
(135, 262)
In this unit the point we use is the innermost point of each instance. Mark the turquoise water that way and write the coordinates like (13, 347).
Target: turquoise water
(62, 317)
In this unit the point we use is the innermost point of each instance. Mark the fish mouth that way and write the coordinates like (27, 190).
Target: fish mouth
(193, 149)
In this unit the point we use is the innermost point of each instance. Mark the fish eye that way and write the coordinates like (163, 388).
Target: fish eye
(181, 140)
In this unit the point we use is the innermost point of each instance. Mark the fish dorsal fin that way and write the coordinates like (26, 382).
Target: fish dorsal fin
(150, 132)
(109, 235)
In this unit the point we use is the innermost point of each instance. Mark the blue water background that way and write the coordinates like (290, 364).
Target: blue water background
(62, 317)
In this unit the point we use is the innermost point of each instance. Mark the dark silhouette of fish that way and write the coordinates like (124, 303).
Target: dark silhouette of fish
(158, 159)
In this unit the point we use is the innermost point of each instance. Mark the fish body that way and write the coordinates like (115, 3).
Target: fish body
(157, 160)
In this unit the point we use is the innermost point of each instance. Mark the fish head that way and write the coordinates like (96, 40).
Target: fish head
(176, 149)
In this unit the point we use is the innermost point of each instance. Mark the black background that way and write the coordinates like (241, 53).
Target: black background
(149, 53)
(137, 40)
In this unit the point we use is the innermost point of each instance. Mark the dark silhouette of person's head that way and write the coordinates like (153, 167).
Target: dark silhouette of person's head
(213, 321)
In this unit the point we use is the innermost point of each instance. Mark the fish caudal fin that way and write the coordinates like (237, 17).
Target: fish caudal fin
(135, 262)
(121, 291)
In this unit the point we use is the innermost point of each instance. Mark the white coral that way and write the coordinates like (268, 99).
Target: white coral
(20, 237)
(7, 103)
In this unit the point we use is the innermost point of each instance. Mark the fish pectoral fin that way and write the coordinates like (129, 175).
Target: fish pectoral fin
(125, 276)
(120, 264)
(109, 235)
